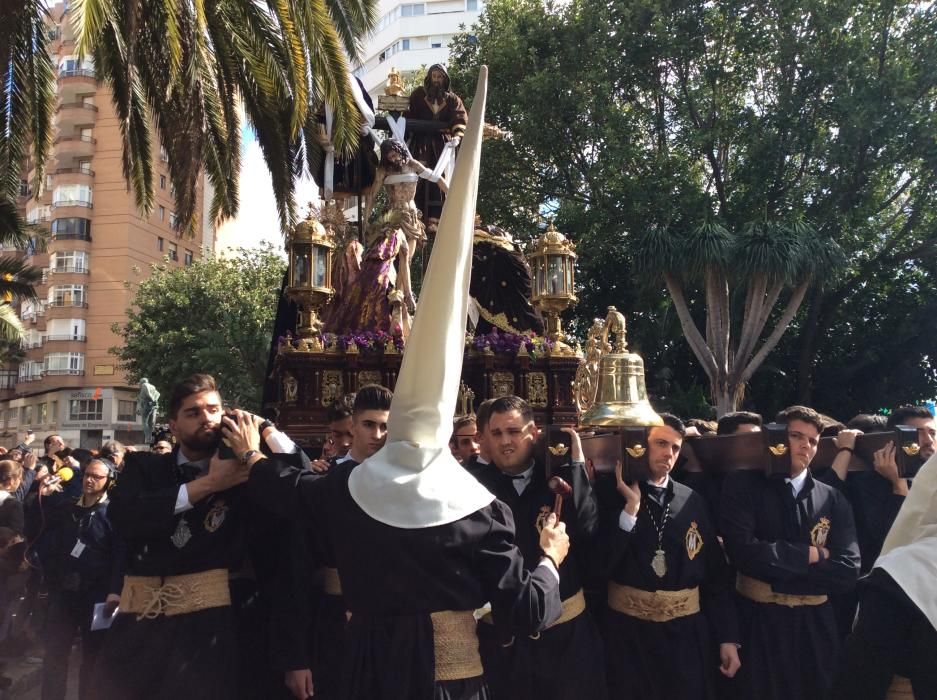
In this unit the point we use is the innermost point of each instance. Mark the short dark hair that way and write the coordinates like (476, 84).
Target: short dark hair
(196, 384)
(83, 456)
(831, 426)
(340, 409)
(372, 397)
(10, 470)
(671, 421)
(111, 448)
(506, 404)
(705, 427)
(900, 415)
(868, 423)
(483, 414)
(49, 439)
(730, 422)
(460, 423)
(807, 415)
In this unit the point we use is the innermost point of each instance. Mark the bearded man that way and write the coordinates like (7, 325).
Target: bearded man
(435, 101)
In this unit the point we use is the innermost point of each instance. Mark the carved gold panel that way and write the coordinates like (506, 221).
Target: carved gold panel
(332, 386)
(537, 389)
(369, 376)
(502, 384)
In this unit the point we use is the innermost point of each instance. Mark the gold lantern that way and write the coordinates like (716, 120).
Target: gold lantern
(310, 247)
(553, 265)
(609, 388)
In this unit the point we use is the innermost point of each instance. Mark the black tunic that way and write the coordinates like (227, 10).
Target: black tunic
(565, 661)
(393, 578)
(673, 660)
(183, 656)
(788, 653)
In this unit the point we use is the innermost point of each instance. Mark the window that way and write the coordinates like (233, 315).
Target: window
(25, 190)
(70, 261)
(65, 363)
(26, 415)
(126, 411)
(160, 243)
(71, 228)
(67, 295)
(54, 412)
(173, 252)
(436, 45)
(162, 214)
(87, 134)
(86, 409)
(13, 416)
(172, 220)
(412, 10)
(188, 258)
(65, 329)
(38, 214)
(162, 183)
(163, 154)
(471, 5)
(72, 195)
(85, 166)
(7, 378)
(406, 44)
(42, 413)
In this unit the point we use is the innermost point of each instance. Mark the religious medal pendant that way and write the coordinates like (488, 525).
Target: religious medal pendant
(182, 535)
(659, 563)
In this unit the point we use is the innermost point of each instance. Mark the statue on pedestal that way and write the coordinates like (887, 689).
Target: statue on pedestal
(435, 101)
(147, 401)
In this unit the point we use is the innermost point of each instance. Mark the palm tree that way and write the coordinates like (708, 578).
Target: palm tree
(187, 67)
(753, 268)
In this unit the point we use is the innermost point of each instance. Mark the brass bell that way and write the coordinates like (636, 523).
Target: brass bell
(610, 384)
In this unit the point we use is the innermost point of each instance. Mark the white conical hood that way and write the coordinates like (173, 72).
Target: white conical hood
(909, 553)
(414, 481)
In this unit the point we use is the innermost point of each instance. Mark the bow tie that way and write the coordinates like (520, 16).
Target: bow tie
(188, 472)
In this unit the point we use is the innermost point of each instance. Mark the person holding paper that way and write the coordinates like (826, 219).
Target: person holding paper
(82, 562)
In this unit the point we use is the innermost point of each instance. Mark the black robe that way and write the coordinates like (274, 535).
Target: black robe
(393, 578)
(788, 653)
(308, 624)
(677, 659)
(565, 661)
(183, 656)
(501, 287)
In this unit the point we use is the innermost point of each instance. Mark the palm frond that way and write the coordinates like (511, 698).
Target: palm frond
(11, 328)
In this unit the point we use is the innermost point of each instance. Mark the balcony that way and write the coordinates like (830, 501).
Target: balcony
(75, 338)
(63, 372)
(76, 146)
(75, 269)
(75, 114)
(71, 237)
(70, 303)
(59, 203)
(72, 176)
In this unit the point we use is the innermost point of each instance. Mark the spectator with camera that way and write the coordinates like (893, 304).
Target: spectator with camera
(82, 562)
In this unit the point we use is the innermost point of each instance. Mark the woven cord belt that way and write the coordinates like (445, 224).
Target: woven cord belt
(331, 583)
(760, 592)
(152, 596)
(455, 645)
(572, 608)
(653, 606)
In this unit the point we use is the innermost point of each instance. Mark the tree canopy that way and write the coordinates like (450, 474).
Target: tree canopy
(214, 316)
(638, 120)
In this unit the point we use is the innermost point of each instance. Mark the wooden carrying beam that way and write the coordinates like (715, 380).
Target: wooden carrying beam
(766, 450)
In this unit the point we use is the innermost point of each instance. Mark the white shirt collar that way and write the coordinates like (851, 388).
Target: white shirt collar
(181, 459)
(343, 458)
(797, 482)
(666, 483)
(520, 481)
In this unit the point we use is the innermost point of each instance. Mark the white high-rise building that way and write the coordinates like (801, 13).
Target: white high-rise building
(412, 35)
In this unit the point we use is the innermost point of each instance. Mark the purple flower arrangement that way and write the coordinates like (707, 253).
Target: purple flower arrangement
(503, 343)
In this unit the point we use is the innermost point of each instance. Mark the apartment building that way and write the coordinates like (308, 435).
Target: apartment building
(68, 383)
(412, 35)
